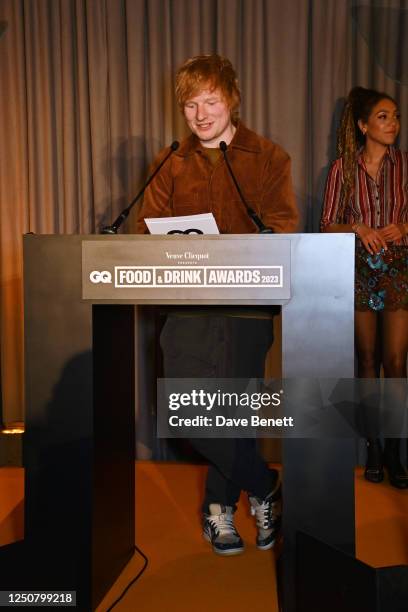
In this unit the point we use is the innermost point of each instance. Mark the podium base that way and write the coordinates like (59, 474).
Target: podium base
(329, 579)
(32, 566)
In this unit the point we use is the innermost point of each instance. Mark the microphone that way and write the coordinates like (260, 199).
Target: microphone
(251, 213)
(113, 229)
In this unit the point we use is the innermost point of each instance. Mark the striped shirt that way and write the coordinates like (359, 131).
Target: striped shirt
(374, 202)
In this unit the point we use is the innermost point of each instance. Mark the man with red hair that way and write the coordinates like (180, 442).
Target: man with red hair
(218, 342)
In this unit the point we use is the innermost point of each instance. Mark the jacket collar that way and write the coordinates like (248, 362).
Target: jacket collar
(243, 139)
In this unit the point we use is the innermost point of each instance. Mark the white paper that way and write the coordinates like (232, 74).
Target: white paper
(205, 224)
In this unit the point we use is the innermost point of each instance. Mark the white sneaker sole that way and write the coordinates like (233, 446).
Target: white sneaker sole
(266, 546)
(223, 553)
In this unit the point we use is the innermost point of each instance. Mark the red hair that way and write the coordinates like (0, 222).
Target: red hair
(212, 72)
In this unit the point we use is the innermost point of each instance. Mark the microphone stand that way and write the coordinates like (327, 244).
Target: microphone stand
(113, 229)
(251, 213)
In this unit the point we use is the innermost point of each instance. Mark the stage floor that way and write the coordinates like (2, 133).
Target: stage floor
(183, 574)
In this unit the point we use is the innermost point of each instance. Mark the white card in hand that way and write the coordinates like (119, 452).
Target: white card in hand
(191, 224)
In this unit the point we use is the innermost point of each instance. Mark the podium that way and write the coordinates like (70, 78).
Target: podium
(80, 396)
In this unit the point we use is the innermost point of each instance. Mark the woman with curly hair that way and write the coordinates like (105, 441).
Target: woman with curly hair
(367, 193)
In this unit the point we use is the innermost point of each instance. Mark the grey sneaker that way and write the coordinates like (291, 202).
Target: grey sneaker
(268, 518)
(219, 529)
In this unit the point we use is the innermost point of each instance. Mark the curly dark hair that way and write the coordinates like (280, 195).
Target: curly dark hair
(359, 105)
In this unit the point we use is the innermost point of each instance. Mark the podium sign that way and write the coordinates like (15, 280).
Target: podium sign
(233, 270)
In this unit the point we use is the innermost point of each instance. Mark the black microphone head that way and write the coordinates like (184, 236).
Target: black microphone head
(223, 146)
(174, 145)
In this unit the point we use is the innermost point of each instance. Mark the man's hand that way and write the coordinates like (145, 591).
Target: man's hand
(372, 239)
(393, 232)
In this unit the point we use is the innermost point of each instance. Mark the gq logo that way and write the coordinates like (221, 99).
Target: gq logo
(100, 277)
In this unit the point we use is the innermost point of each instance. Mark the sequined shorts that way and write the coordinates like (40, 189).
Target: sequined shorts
(382, 280)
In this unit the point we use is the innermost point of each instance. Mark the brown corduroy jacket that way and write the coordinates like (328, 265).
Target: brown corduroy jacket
(190, 184)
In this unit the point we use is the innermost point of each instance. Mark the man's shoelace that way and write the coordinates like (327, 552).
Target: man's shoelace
(266, 514)
(223, 524)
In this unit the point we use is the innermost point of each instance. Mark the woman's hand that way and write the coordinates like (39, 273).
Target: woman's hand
(393, 232)
(372, 239)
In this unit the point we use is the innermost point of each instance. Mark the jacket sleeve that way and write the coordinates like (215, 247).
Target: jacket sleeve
(279, 210)
(158, 196)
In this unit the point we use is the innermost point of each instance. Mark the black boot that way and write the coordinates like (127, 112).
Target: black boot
(396, 472)
(374, 471)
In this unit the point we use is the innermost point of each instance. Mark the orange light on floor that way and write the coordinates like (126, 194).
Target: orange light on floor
(13, 428)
